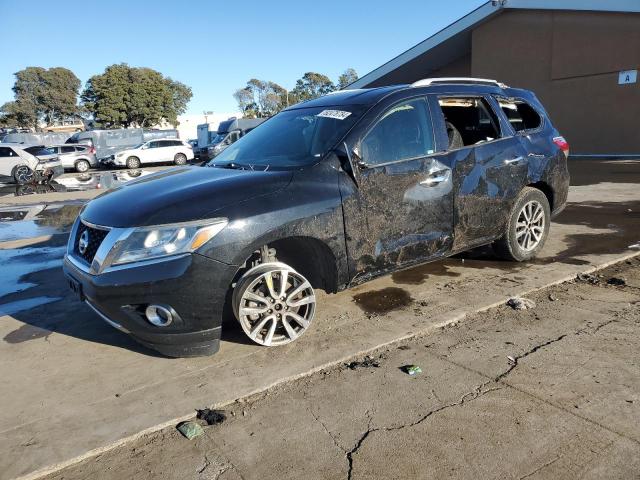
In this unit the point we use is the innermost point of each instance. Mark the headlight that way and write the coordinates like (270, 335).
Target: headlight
(146, 243)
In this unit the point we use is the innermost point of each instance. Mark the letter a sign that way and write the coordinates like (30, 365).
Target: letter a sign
(627, 76)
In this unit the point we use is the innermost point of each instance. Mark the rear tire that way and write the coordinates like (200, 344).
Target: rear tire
(133, 163)
(82, 166)
(180, 159)
(527, 227)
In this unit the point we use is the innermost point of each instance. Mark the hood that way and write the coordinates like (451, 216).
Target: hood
(179, 195)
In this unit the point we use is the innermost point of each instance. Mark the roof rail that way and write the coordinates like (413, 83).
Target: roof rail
(481, 81)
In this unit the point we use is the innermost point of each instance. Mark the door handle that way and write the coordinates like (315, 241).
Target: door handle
(514, 161)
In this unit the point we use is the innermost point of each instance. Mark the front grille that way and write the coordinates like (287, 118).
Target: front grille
(96, 236)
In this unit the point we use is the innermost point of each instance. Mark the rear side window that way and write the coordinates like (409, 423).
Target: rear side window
(469, 121)
(405, 131)
(520, 114)
(67, 149)
(7, 152)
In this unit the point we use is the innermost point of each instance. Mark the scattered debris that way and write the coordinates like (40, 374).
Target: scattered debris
(552, 297)
(368, 362)
(588, 278)
(404, 347)
(635, 246)
(212, 417)
(518, 303)
(512, 360)
(619, 282)
(190, 429)
(411, 369)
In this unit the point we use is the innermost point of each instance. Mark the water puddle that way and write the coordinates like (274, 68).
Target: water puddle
(27, 304)
(20, 262)
(34, 221)
(383, 301)
(591, 171)
(75, 183)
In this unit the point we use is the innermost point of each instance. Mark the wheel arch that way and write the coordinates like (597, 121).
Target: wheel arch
(545, 188)
(309, 256)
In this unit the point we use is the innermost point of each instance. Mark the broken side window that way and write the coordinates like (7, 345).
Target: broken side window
(520, 114)
(469, 120)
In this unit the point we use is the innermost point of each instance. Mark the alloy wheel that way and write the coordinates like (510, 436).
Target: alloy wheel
(530, 226)
(23, 174)
(275, 304)
(82, 166)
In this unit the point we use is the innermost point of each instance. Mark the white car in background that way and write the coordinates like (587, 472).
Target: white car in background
(22, 167)
(154, 151)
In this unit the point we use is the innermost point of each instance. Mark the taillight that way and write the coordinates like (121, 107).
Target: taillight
(562, 144)
(92, 150)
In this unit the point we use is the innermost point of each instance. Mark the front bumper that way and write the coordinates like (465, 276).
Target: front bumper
(46, 172)
(194, 286)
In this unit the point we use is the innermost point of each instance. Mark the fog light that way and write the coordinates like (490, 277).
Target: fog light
(159, 316)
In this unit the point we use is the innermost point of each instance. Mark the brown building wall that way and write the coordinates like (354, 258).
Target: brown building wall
(571, 60)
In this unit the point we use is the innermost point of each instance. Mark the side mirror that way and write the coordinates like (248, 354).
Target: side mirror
(356, 158)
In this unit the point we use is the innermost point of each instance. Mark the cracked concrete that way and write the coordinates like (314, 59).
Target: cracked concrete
(566, 406)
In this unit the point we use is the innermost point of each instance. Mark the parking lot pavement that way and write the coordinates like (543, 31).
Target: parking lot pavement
(549, 392)
(75, 386)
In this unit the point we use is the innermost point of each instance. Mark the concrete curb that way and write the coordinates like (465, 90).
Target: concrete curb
(452, 319)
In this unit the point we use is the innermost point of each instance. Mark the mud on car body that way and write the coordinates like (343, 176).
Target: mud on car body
(326, 194)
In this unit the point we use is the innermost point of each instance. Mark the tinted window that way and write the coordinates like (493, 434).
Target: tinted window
(520, 114)
(469, 121)
(154, 144)
(404, 131)
(67, 149)
(7, 152)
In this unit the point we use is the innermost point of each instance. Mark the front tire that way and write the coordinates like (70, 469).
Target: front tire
(527, 228)
(23, 175)
(82, 166)
(133, 163)
(180, 159)
(274, 304)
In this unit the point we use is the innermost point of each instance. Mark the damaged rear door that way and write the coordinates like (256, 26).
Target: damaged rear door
(401, 211)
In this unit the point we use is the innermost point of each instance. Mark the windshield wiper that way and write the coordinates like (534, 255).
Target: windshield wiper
(231, 166)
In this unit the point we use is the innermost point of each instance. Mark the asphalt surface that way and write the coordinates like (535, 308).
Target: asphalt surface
(75, 387)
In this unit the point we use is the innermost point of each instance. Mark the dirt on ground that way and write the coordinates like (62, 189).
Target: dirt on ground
(551, 391)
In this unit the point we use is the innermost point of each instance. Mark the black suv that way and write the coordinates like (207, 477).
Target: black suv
(326, 194)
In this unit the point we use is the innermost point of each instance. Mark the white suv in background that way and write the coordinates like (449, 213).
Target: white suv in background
(154, 151)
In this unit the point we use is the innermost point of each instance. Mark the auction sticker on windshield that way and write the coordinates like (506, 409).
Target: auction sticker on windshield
(337, 114)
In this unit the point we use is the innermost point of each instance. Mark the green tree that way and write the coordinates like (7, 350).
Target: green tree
(42, 95)
(123, 96)
(260, 98)
(312, 85)
(347, 78)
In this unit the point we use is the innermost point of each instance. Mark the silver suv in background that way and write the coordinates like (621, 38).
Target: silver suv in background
(76, 157)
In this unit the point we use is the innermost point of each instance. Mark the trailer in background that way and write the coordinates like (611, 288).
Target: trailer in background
(110, 142)
(229, 131)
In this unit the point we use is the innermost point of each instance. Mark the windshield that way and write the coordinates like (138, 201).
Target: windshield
(292, 138)
(137, 146)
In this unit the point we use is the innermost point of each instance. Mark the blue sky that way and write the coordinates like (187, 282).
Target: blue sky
(214, 46)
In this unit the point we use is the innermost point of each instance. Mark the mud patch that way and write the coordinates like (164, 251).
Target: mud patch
(623, 218)
(383, 301)
(26, 333)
